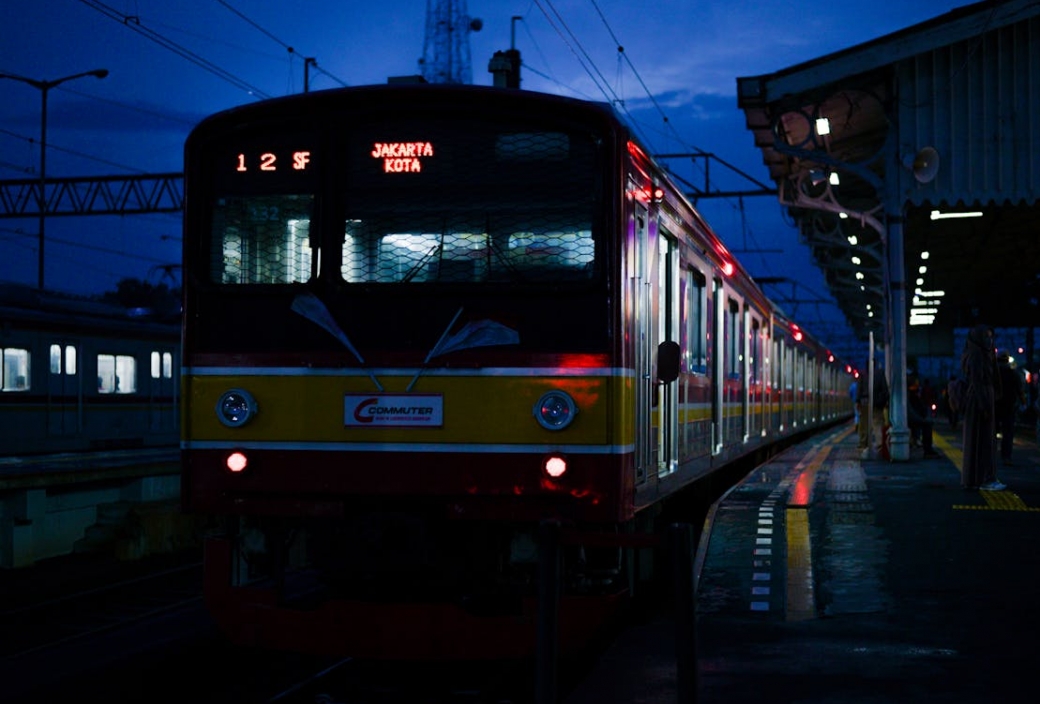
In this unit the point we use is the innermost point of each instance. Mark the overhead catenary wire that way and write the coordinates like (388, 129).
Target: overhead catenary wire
(601, 83)
(288, 47)
(56, 147)
(133, 22)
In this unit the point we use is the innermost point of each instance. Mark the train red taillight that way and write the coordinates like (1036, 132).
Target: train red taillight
(236, 462)
(555, 466)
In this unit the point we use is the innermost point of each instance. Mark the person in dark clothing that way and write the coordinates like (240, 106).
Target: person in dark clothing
(979, 370)
(919, 419)
(1010, 398)
(952, 412)
(880, 401)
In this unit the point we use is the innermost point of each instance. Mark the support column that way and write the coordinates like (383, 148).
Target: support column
(895, 176)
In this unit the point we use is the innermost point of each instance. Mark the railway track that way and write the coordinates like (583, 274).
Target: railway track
(89, 612)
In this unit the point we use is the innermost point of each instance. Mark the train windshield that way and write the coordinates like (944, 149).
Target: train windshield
(419, 202)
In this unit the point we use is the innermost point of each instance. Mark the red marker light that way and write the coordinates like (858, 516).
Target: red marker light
(727, 268)
(236, 462)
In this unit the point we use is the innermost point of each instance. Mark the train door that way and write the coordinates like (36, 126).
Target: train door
(668, 329)
(754, 378)
(161, 390)
(734, 400)
(718, 378)
(695, 340)
(745, 373)
(799, 387)
(640, 263)
(64, 391)
(783, 376)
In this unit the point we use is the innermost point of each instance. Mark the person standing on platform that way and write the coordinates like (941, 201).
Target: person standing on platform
(979, 369)
(952, 412)
(854, 395)
(880, 418)
(919, 417)
(1011, 397)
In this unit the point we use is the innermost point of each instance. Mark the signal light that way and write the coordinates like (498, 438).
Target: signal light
(555, 466)
(236, 462)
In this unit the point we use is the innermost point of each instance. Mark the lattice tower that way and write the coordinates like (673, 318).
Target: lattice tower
(446, 57)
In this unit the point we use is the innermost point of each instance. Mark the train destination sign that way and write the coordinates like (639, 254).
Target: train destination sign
(402, 157)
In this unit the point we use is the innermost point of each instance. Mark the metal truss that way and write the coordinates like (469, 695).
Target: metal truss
(93, 195)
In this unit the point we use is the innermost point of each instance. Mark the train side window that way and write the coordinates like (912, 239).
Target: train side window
(733, 340)
(69, 357)
(14, 369)
(695, 331)
(162, 365)
(117, 374)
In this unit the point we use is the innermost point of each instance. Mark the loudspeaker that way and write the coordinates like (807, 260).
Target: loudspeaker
(924, 165)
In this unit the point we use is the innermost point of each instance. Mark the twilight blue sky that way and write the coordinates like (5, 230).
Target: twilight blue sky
(172, 62)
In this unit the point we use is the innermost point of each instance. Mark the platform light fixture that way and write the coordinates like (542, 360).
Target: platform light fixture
(939, 215)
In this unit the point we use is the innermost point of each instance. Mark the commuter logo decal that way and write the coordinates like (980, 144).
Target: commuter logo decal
(393, 410)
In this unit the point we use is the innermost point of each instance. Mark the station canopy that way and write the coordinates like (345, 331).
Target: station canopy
(935, 130)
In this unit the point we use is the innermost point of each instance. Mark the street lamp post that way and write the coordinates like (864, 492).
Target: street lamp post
(44, 87)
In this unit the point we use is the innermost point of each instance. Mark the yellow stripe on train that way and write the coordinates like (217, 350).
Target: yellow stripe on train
(477, 408)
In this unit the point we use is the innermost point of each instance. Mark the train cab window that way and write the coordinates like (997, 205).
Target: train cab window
(460, 253)
(554, 251)
(162, 365)
(14, 369)
(261, 239)
(68, 354)
(117, 374)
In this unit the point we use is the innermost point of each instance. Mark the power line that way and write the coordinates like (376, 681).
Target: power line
(133, 22)
(73, 152)
(278, 41)
(70, 243)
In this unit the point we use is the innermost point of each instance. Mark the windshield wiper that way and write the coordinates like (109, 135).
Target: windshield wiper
(311, 307)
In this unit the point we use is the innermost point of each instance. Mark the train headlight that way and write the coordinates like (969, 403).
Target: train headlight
(236, 462)
(236, 408)
(555, 466)
(555, 410)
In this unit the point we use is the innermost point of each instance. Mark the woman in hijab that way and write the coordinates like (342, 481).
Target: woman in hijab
(979, 370)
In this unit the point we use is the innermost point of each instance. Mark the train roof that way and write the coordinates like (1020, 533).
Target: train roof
(23, 306)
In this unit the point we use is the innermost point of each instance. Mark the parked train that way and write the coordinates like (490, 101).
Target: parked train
(77, 374)
(423, 323)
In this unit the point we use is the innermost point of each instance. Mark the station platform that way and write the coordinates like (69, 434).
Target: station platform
(828, 577)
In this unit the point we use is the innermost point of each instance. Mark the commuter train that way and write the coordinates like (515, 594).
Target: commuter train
(78, 375)
(428, 328)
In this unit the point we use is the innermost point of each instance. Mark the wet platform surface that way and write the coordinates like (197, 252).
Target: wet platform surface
(829, 577)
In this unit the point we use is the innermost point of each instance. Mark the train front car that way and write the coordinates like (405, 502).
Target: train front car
(404, 354)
